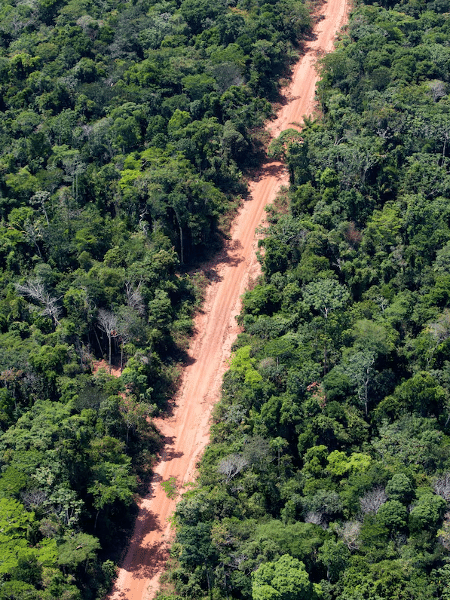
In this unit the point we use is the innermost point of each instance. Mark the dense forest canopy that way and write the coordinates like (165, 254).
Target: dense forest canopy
(328, 475)
(124, 131)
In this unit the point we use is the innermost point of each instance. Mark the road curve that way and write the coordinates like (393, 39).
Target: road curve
(187, 431)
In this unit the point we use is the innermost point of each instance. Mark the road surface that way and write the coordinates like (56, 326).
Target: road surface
(187, 431)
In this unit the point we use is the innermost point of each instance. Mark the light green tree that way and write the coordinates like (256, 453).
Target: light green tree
(284, 579)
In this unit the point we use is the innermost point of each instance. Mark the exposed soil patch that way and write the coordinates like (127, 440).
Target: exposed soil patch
(103, 364)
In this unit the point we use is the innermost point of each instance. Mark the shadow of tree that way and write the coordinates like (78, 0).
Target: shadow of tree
(270, 168)
(150, 560)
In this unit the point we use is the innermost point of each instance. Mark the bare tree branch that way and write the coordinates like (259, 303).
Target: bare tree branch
(232, 465)
(349, 532)
(134, 297)
(373, 500)
(315, 518)
(107, 322)
(35, 289)
(442, 486)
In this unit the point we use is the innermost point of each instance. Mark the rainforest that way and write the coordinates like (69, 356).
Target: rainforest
(127, 134)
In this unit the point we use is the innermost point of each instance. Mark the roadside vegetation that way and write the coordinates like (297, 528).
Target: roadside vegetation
(328, 473)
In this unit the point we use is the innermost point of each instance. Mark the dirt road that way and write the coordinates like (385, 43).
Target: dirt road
(187, 431)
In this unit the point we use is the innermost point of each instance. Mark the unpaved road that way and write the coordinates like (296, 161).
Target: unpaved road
(187, 431)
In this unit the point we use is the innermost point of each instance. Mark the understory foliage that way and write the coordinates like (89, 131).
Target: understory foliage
(124, 130)
(328, 472)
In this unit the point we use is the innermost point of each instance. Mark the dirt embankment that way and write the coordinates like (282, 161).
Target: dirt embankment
(187, 431)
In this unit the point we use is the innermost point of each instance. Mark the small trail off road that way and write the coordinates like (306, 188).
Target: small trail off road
(187, 432)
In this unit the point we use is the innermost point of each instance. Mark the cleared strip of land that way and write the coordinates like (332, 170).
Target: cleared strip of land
(187, 431)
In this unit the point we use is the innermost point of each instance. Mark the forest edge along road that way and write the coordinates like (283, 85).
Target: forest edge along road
(187, 432)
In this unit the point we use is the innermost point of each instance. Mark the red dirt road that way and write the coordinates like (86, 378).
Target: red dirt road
(187, 431)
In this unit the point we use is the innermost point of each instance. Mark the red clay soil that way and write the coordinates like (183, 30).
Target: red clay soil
(187, 431)
(102, 364)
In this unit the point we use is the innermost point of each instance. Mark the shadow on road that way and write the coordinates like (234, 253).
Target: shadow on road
(270, 168)
(149, 560)
(167, 452)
